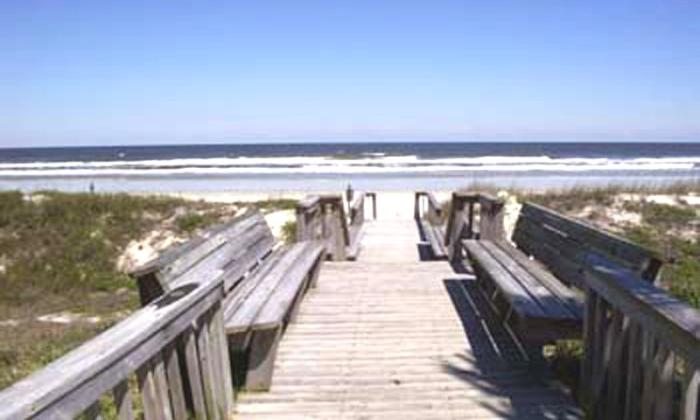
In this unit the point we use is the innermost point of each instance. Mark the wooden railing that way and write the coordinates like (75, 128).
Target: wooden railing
(426, 206)
(463, 212)
(641, 348)
(324, 218)
(174, 348)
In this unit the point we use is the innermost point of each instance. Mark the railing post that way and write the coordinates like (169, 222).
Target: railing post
(491, 225)
(301, 233)
(416, 205)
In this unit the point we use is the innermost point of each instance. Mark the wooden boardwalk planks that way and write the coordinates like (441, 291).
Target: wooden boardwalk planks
(390, 336)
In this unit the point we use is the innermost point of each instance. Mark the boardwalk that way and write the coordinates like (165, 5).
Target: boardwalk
(392, 336)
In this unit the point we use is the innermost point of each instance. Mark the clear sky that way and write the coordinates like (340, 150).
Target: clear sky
(139, 72)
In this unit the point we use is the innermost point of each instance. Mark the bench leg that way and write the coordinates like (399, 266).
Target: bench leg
(261, 360)
(237, 345)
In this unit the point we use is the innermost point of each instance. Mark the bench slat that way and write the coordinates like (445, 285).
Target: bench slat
(173, 262)
(281, 299)
(548, 301)
(435, 238)
(582, 236)
(561, 256)
(249, 253)
(242, 318)
(516, 295)
(246, 286)
(564, 293)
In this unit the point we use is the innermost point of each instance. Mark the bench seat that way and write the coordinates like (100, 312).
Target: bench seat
(263, 284)
(257, 312)
(536, 282)
(537, 306)
(435, 236)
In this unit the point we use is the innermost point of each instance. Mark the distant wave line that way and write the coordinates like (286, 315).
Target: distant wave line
(314, 164)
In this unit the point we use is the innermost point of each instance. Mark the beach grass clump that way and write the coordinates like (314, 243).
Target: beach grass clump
(289, 231)
(59, 256)
(59, 282)
(275, 204)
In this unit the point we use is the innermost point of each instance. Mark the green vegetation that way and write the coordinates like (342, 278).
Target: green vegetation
(289, 231)
(671, 230)
(58, 254)
(275, 204)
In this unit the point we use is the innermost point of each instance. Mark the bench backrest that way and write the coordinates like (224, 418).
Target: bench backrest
(565, 245)
(231, 249)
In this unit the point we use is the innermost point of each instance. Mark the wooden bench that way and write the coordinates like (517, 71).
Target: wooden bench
(535, 282)
(429, 217)
(264, 285)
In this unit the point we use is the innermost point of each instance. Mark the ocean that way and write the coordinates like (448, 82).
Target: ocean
(332, 166)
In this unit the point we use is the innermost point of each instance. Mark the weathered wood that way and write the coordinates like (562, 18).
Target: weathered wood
(382, 338)
(575, 239)
(263, 349)
(160, 382)
(175, 261)
(123, 401)
(149, 394)
(174, 382)
(634, 361)
(74, 381)
(245, 314)
(690, 393)
(491, 217)
(207, 367)
(435, 237)
(280, 300)
(194, 374)
(667, 318)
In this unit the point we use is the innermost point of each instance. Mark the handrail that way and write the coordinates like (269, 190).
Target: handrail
(635, 334)
(427, 206)
(176, 346)
(324, 218)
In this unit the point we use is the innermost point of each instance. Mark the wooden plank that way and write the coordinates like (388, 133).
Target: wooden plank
(518, 297)
(175, 383)
(691, 389)
(218, 332)
(564, 293)
(663, 389)
(235, 298)
(122, 401)
(633, 390)
(672, 321)
(594, 239)
(351, 348)
(149, 394)
(207, 368)
(616, 371)
(74, 381)
(242, 318)
(194, 374)
(550, 303)
(160, 381)
(176, 260)
(434, 238)
(280, 300)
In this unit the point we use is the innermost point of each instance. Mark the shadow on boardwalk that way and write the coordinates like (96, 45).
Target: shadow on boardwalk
(500, 365)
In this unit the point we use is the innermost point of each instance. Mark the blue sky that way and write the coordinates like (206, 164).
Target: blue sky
(139, 72)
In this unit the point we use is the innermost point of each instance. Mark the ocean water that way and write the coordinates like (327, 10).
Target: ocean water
(375, 166)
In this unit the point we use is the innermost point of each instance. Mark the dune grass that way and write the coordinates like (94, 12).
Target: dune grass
(58, 254)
